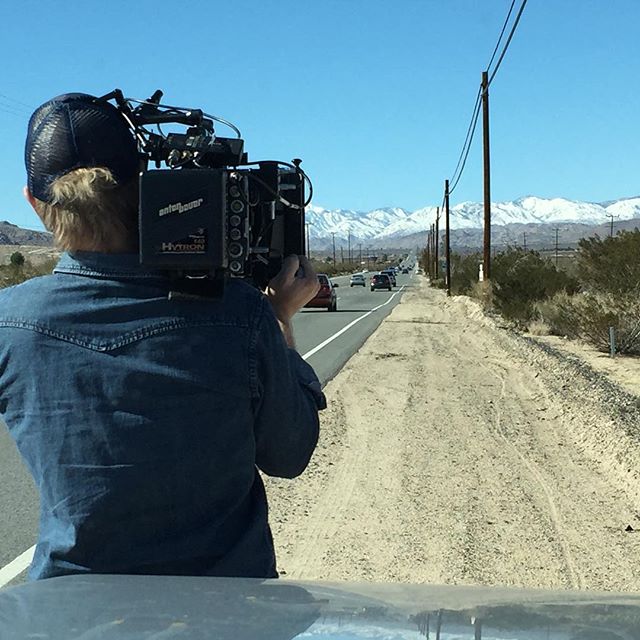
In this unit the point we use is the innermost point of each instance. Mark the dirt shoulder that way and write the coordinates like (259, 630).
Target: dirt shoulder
(454, 452)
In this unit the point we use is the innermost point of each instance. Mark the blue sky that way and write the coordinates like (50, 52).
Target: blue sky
(374, 95)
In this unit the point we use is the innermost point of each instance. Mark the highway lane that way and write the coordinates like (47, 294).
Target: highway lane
(312, 327)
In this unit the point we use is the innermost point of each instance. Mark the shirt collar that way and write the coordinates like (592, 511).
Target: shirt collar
(120, 265)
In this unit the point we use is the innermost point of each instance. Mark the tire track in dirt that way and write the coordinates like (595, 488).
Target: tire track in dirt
(462, 470)
(576, 580)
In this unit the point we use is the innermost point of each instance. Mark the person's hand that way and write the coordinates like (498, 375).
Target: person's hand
(292, 288)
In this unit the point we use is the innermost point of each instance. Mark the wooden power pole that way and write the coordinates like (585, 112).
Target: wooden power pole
(487, 177)
(447, 240)
(437, 239)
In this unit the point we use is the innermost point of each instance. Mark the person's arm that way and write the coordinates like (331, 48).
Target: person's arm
(288, 391)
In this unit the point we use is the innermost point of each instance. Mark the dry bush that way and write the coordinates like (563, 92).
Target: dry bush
(539, 328)
(13, 274)
(589, 316)
(483, 293)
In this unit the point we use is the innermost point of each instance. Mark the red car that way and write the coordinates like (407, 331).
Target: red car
(326, 297)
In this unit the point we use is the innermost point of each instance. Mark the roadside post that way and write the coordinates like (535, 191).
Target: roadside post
(612, 342)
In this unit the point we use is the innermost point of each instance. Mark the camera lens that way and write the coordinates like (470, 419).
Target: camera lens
(235, 250)
(235, 266)
(235, 221)
(237, 206)
(235, 234)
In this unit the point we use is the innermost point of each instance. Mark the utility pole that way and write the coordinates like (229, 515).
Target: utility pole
(437, 239)
(525, 240)
(447, 240)
(428, 250)
(610, 215)
(342, 254)
(487, 176)
(333, 239)
(557, 230)
(349, 245)
(360, 251)
(434, 242)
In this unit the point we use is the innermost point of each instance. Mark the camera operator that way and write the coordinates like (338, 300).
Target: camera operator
(143, 419)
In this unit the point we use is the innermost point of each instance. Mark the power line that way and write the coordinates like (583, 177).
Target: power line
(17, 114)
(504, 26)
(10, 99)
(466, 147)
(474, 117)
(506, 46)
(474, 122)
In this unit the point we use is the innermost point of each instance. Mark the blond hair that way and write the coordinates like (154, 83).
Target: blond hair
(90, 211)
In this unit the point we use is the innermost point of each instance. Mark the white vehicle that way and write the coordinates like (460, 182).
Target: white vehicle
(357, 279)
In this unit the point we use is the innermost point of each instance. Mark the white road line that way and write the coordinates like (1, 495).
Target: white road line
(347, 327)
(16, 567)
(22, 562)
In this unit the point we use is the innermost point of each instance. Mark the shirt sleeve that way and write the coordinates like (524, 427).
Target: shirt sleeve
(287, 400)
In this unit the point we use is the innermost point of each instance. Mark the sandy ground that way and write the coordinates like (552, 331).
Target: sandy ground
(456, 452)
(34, 254)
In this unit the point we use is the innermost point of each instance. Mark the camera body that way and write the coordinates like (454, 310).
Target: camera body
(205, 213)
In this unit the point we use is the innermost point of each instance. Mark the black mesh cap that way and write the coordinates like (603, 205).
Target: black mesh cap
(77, 130)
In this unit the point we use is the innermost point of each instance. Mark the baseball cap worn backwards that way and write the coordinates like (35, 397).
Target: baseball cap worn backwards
(77, 130)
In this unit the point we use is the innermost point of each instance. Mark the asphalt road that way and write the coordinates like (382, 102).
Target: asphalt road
(313, 331)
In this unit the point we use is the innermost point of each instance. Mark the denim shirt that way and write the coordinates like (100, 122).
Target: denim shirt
(142, 419)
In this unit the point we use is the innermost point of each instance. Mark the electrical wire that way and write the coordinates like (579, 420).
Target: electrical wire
(10, 99)
(504, 26)
(17, 114)
(466, 147)
(466, 155)
(467, 140)
(506, 46)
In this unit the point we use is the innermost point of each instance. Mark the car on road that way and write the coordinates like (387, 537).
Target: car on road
(392, 276)
(357, 280)
(405, 270)
(326, 297)
(380, 281)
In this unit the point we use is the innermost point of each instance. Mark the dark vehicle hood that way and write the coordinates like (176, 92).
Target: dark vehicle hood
(159, 607)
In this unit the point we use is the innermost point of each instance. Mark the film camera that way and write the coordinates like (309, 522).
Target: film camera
(210, 214)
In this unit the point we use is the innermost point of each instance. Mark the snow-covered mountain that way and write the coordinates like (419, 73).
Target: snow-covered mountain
(394, 222)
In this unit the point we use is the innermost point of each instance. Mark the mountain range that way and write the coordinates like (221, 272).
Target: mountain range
(380, 227)
(535, 221)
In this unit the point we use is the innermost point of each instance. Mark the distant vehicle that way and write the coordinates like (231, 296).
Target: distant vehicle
(326, 297)
(357, 279)
(405, 270)
(380, 281)
(392, 276)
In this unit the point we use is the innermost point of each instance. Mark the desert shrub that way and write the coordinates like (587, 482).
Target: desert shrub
(589, 316)
(423, 260)
(13, 274)
(322, 266)
(538, 328)
(560, 314)
(16, 259)
(520, 279)
(483, 293)
(611, 264)
(464, 272)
